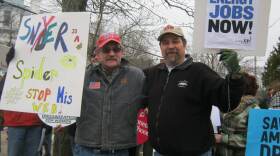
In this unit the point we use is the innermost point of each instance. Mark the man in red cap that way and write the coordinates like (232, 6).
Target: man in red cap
(111, 98)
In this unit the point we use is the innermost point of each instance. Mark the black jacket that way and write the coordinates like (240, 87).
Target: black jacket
(180, 104)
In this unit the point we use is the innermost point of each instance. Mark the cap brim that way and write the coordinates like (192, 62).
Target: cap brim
(110, 40)
(160, 36)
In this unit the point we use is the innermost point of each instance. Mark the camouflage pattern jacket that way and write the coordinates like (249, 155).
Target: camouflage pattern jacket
(234, 127)
(275, 101)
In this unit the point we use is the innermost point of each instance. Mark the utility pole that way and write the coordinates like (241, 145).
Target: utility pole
(255, 65)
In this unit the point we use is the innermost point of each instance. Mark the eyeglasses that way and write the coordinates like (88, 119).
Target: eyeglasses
(108, 49)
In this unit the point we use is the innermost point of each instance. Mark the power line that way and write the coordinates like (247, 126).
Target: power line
(142, 51)
(276, 21)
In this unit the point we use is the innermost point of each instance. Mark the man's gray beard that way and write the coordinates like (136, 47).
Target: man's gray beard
(172, 62)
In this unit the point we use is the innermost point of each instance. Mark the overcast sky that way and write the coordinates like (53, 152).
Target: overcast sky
(274, 25)
(176, 17)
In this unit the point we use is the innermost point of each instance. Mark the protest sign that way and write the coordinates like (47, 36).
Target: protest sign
(142, 127)
(263, 136)
(232, 24)
(47, 73)
(55, 120)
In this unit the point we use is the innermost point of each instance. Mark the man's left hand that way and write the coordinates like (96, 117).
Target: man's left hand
(230, 61)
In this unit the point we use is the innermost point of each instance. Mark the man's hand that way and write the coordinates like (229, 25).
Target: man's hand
(230, 61)
(218, 138)
(58, 128)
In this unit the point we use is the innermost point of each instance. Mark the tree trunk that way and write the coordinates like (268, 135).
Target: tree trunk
(74, 5)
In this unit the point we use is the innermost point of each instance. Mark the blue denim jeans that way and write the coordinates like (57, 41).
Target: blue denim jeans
(24, 141)
(88, 151)
(208, 153)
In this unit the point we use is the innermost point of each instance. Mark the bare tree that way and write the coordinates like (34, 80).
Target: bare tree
(184, 5)
(212, 60)
(72, 5)
(134, 20)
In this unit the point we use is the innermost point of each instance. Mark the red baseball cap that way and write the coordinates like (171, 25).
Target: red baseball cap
(106, 38)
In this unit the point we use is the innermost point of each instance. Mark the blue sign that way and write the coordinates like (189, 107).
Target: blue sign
(263, 136)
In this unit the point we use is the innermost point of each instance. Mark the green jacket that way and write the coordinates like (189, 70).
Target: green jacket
(234, 127)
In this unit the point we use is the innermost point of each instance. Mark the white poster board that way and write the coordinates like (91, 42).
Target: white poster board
(46, 76)
(235, 25)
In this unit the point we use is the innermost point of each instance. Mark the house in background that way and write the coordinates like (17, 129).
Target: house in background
(10, 17)
(11, 13)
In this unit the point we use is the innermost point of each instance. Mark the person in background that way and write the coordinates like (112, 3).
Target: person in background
(63, 140)
(232, 140)
(24, 129)
(94, 59)
(110, 102)
(180, 94)
(275, 94)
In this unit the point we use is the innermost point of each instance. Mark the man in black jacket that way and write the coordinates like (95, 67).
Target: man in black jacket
(180, 94)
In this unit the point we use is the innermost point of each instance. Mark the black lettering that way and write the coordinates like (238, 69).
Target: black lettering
(213, 25)
(46, 75)
(225, 26)
(274, 123)
(264, 137)
(266, 122)
(239, 26)
(265, 147)
(274, 137)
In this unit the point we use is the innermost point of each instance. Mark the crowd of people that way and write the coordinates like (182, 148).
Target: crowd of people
(178, 94)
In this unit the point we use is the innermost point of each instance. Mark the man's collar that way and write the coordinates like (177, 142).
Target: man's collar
(188, 61)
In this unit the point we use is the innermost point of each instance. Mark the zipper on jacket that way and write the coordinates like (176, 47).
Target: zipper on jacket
(159, 107)
(107, 100)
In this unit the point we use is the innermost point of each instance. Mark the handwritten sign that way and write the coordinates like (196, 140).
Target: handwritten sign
(263, 136)
(46, 76)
